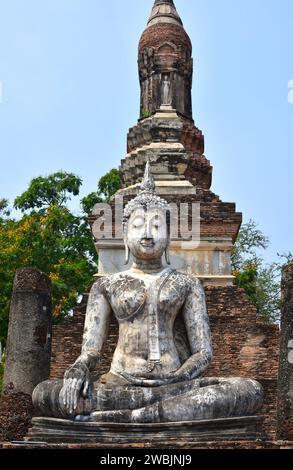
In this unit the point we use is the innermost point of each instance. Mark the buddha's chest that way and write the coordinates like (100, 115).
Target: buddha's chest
(130, 297)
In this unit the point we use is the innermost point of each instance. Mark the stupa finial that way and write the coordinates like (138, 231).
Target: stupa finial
(164, 11)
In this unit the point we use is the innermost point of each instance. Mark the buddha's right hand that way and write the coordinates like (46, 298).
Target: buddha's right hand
(75, 384)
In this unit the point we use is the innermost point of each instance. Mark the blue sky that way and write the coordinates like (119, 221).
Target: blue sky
(70, 92)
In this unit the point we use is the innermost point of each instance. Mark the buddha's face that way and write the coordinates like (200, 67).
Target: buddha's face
(147, 233)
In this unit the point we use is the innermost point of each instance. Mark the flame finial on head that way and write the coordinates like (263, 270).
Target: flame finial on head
(148, 182)
(146, 198)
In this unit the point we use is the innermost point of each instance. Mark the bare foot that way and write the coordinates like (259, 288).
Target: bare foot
(116, 416)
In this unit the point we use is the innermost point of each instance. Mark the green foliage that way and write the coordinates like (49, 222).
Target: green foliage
(261, 281)
(50, 238)
(88, 202)
(246, 249)
(108, 185)
(4, 211)
(246, 278)
(146, 114)
(55, 189)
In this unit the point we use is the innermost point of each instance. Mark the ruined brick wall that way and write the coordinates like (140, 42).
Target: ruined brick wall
(244, 345)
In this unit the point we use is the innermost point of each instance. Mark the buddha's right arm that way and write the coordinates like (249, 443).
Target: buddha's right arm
(96, 327)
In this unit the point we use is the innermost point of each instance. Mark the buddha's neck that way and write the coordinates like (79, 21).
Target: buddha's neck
(148, 266)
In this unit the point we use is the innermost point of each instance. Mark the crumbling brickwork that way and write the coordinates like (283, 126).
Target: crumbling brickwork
(285, 382)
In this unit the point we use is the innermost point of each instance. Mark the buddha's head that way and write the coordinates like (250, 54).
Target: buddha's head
(146, 223)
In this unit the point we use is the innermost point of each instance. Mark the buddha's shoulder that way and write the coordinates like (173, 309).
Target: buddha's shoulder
(125, 281)
(186, 281)
(121, 281)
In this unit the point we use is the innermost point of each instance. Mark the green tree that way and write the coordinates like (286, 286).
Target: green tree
(52, 190)
(51, 238)
(88, 202)
(260, 280)
(4, 211)
(249, 243)
(108, 185)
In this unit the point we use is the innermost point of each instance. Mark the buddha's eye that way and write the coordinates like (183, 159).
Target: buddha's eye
(157, 223)
(138, 222)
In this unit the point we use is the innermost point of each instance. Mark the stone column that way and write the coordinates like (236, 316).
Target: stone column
(28, 351)
(285, 384)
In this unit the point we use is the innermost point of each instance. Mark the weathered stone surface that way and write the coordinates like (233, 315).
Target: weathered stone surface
(57, 430)
(165, 49)
(164, 344)
(210, 260)
(173, 145)
(285, 384)
(164, 11)
(29, 335)
(167, 137)
(244, 345)
(165, 72)
(219, 226)
(171, 444)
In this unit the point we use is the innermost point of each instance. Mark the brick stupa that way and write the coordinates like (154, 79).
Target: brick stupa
(166, 135)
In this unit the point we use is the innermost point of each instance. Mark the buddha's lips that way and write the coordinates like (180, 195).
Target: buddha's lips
(147, 244)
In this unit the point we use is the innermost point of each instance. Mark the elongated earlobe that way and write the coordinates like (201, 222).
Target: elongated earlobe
(167, 256)
(127, 254)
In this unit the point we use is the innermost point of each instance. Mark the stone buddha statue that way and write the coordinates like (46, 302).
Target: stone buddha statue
(164, 343)
(166, 91)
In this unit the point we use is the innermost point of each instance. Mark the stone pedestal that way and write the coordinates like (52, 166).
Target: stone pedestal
(285, 383)
(51, 430)
(29, 335)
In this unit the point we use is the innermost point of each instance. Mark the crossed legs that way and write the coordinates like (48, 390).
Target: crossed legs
(197, 399)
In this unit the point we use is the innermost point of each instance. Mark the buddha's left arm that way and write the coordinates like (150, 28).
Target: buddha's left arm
(198, 330)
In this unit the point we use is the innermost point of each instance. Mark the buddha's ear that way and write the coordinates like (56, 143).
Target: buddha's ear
(127, 252)
(167, 255)
(168, 223)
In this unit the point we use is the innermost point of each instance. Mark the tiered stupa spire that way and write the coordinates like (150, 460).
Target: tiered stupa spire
(165, 54)
(166, 137)
(165, 134)
(164, 11)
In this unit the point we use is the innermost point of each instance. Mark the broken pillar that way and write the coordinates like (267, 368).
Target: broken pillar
(28, 350)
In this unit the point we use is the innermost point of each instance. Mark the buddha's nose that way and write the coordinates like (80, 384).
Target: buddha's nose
(148, 233)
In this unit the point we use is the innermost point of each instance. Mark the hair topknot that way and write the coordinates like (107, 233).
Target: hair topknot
(146, 199)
